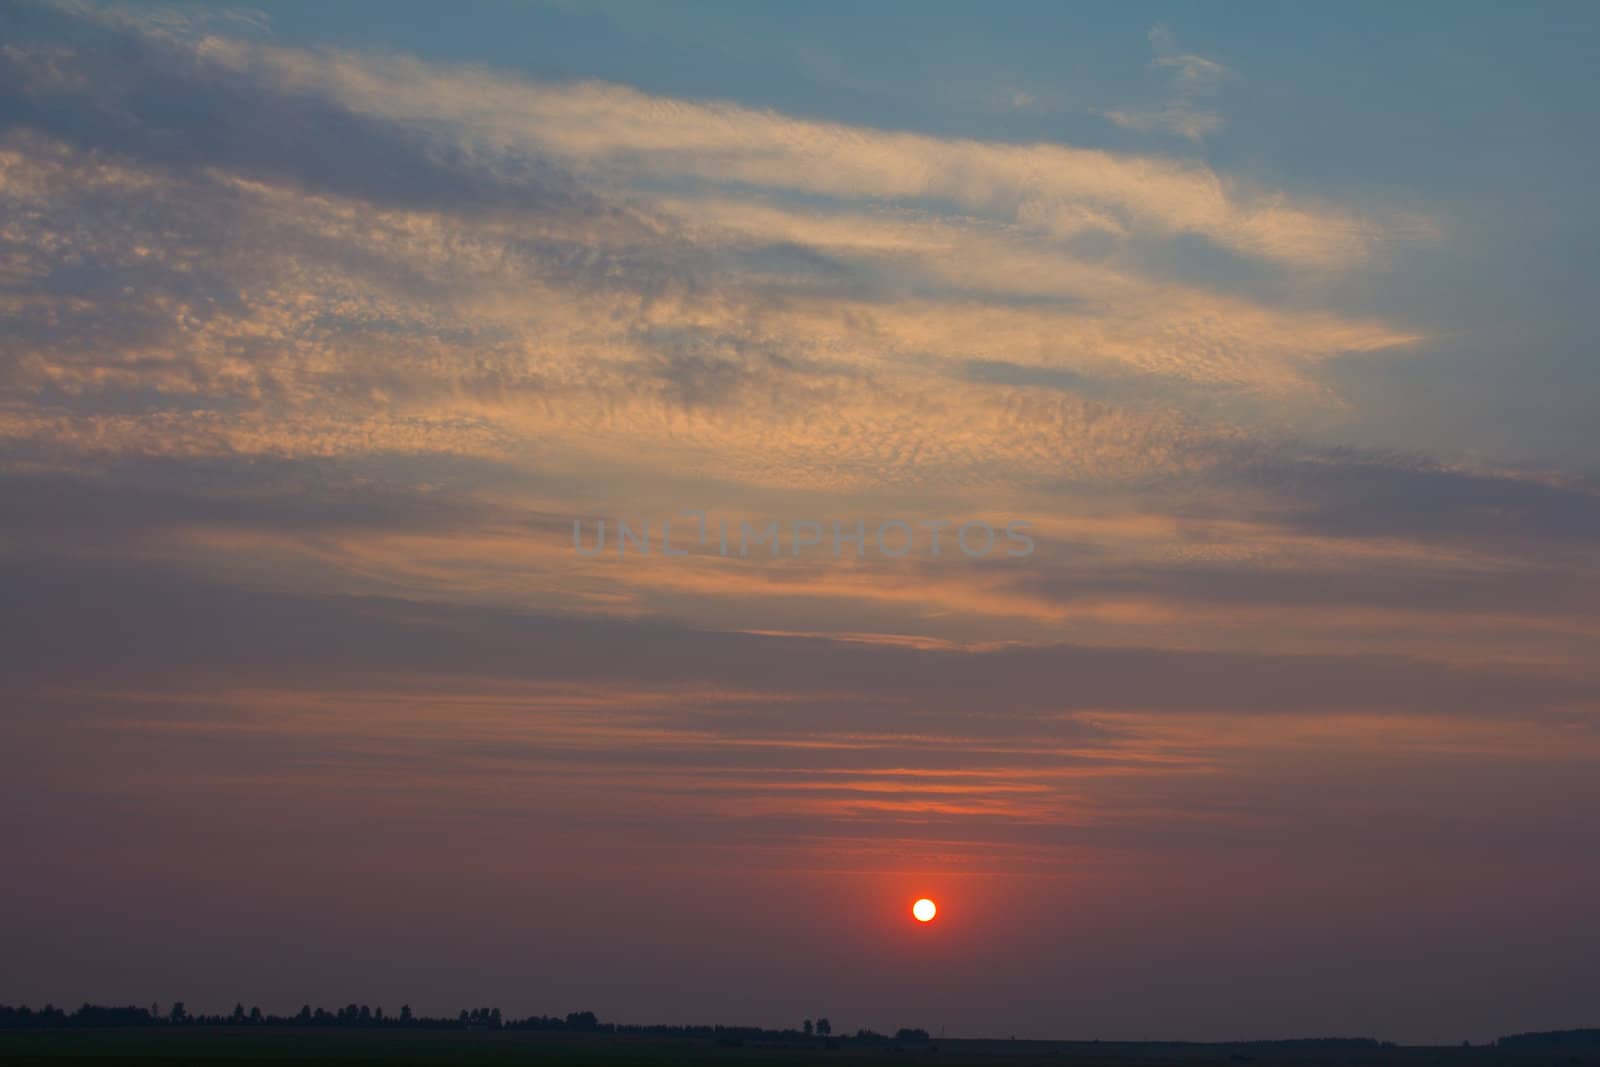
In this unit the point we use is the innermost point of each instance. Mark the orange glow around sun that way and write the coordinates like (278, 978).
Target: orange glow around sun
(924, 910)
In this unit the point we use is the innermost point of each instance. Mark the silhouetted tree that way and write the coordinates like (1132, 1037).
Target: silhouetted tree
(824, 1027)
(178, 1014)
(806, 1027)
(405, 1014)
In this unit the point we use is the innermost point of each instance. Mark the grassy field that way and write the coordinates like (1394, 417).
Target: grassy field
(354, 1046)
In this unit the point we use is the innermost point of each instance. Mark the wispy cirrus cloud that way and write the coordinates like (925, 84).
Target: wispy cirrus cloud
(1194, 82)
(365, 261)
(457, 259)
(1053, 189)
(457, 264)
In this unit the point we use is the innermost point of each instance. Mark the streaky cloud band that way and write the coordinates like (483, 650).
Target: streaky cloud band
(891, 538)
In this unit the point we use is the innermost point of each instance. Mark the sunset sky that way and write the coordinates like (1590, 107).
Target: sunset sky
(321, 324)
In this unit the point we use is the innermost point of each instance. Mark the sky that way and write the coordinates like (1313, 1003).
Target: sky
(324, 328)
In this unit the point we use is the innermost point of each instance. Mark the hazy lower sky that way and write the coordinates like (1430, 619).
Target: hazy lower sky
(321, 324)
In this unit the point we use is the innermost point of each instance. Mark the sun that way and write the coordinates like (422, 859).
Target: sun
(924, 910)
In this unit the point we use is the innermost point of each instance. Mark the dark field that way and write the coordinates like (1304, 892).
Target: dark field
(322, 1046)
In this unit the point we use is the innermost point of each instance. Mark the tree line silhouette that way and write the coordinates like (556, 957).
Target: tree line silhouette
(91, 1016)
(361, 1015)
